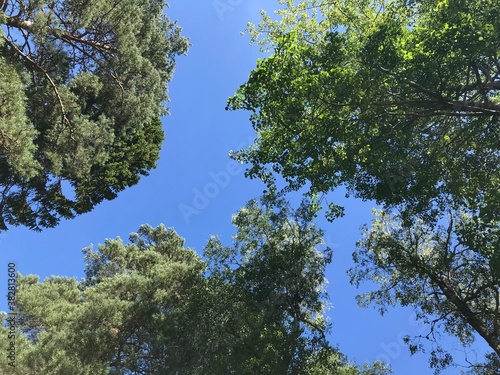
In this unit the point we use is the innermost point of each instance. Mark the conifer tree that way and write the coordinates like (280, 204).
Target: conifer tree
(82, 90)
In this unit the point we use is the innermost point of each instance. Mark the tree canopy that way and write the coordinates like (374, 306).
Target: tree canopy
(437, 270)
(82, 89)
(399, 102)
(153, 306)
(396, 100)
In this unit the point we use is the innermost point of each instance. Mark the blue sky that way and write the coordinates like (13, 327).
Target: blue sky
(196, 188)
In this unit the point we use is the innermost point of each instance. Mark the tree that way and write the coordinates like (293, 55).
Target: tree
(396, 100)
(130, 315)
(82, 90)
(154, 307)
(277, 277)
(438, 271)
(399, 102)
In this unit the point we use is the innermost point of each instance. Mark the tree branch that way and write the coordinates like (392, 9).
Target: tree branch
(469, 315)
(445, 107)
(64, 118)
(64, 35)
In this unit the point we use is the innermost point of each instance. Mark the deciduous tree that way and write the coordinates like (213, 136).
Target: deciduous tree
(399, 102)
(396, 100)
(437, 270)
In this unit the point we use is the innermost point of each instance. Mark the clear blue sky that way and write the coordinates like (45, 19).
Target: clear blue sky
(194, 159)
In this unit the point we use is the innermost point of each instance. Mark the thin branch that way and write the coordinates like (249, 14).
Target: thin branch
(64, 35)
(444, 107)
(414, 84)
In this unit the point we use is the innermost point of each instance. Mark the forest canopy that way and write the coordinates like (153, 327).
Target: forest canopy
(399, 102)
(396, 100)
(152, 306)
(83, 86)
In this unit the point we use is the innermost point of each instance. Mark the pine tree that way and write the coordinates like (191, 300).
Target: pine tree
(82, 90)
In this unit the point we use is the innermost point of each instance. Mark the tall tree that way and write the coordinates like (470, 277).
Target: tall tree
(277, 277)
(397, 100)
(132, 314)
(82, 89)
(154, 307)
(437, 270)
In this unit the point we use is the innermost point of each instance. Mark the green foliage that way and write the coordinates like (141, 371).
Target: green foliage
(334, 363)
(152, 306)
(278, 277)
(452, 287)
(399, 102)
(16, 134)
(137, 307)
(396, 100)
(491, 366)
(83, 87)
